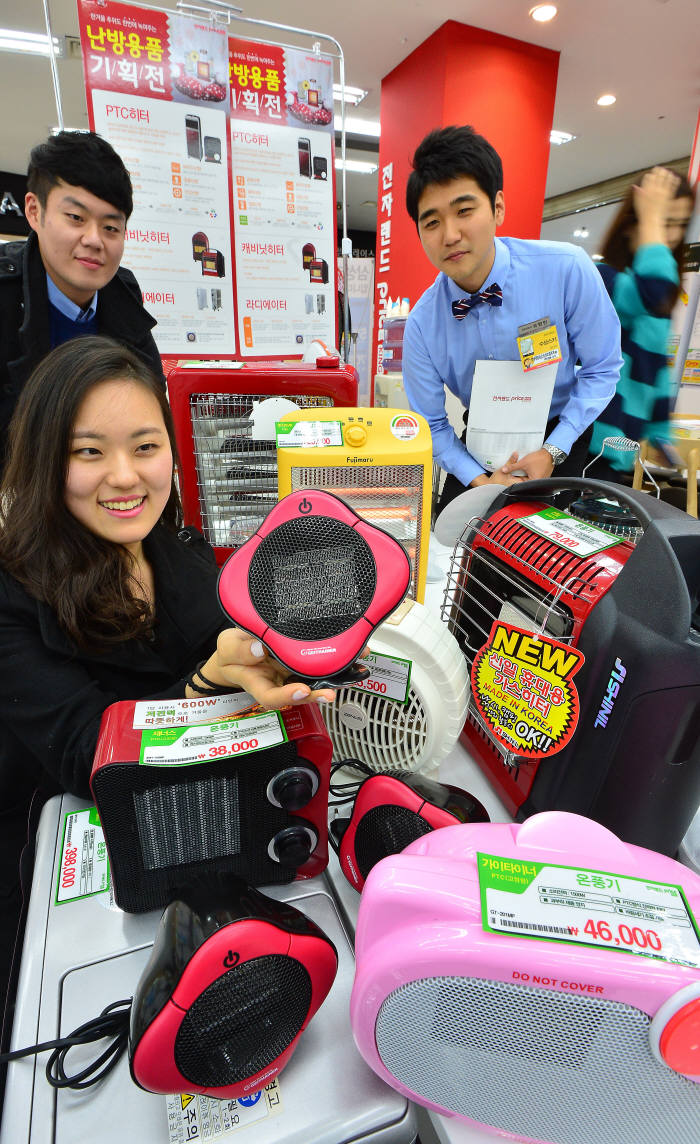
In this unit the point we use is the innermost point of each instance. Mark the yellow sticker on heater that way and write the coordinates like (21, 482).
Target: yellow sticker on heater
(523, 687)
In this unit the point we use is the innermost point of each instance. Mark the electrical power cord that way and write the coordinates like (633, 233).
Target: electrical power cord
(112, 1022)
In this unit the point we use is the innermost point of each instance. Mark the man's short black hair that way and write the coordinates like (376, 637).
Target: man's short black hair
(450, 153)
(81, 159)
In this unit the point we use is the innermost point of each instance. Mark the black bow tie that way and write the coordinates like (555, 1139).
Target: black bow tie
(493, 296)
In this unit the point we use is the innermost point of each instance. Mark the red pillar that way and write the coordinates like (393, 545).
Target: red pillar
(505, 89)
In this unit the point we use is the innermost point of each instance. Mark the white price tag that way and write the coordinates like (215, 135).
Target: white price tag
(182, 746)
(309, 434)
(193, 1117)
(575, 535)
(190, 712)
(389, 676)
(593, 907)
(84, 868)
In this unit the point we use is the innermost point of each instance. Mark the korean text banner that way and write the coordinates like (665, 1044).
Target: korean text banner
(158, 88)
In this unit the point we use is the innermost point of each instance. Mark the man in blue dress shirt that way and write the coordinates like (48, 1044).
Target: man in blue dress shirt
(487, 289)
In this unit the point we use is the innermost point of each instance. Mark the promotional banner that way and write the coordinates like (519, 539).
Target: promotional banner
(283, 197)
(208, 160)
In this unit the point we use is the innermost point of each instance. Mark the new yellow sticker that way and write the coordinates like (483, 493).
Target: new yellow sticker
(538, 348)
(523, 687)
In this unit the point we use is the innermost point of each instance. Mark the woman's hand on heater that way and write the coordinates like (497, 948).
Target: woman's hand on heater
(242, 661)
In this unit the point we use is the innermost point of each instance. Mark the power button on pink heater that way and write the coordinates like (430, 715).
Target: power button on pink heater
(674, 1032)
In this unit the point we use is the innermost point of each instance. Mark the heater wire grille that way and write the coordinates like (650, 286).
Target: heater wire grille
(236, 473)
(534, 1062)
(244, 1021)
(390, 496)
(313, 577)
(386, 830)
(387, 731)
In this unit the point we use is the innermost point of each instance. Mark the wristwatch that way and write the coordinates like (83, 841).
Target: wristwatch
(557, 455)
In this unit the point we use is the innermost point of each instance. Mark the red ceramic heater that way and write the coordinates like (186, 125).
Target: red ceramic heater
(232, 982)
(392, 810)
(313, 583)
(237, 808)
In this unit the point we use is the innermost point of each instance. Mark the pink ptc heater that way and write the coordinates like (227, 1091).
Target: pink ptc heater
(233, 980)
(541, 982)
(313, 583)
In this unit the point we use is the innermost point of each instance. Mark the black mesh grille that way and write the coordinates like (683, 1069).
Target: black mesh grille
(242, 1022)
(386, 830)
(312, 578)
(211, 818)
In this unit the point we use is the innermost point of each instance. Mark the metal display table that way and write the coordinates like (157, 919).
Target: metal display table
(82, 955)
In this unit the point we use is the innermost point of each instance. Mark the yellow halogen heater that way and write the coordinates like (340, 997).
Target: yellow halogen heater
(378, 460)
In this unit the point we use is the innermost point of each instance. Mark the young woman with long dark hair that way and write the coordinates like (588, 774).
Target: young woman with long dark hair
(103, 595)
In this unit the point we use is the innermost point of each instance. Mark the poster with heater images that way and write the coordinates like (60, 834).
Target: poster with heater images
(282, 158)
(158, 89)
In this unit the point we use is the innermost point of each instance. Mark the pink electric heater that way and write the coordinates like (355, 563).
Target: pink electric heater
(313, 583)
(541, 982)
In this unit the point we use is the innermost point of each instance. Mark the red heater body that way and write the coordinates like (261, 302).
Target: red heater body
(632, 611)
(241, 809)
(228, 462)
(233, 980)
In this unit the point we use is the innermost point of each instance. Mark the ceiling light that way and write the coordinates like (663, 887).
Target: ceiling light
(543, 12)
(357, 166)
(32, 42)
(606, 100)
(559, 137)
(581, 232)
(358, 126)
(597, 257)
(352, 95)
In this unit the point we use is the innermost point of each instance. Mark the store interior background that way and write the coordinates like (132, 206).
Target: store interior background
(642, 51)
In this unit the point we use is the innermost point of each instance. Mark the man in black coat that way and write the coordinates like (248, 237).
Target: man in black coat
(65, 280)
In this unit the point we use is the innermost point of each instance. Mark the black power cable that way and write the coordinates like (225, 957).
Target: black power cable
(112, 1022)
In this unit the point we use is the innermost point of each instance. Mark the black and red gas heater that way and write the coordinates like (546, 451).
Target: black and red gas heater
(621, 585)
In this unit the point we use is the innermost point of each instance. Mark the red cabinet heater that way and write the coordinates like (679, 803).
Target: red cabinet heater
(631, 608)
(199, 800)
(228, 462)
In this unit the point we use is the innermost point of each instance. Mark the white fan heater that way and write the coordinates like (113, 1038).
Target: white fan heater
(418, 734)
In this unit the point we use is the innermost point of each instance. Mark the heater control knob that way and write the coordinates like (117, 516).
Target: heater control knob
(293, 787)
(294, 845)
(355, 435)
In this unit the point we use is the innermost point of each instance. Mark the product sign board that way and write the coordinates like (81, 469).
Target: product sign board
(567, 532)
(184, 746)
(587, 907)
(84, 866)
(283, 207)
(209, 158)
(522, 684)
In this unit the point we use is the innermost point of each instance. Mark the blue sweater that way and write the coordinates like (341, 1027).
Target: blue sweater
(642, 403)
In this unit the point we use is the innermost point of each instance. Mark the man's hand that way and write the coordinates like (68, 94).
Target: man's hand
(535, 465)
(501, 476)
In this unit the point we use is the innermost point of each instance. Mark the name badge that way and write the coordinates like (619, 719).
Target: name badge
(538, 344)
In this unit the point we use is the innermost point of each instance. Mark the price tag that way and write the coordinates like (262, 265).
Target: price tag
(183, 746)
(193, 1117)
(565, 531)
(84, 867)
(593, 907)
(190, 712)
(389, 676)
(309, 434)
